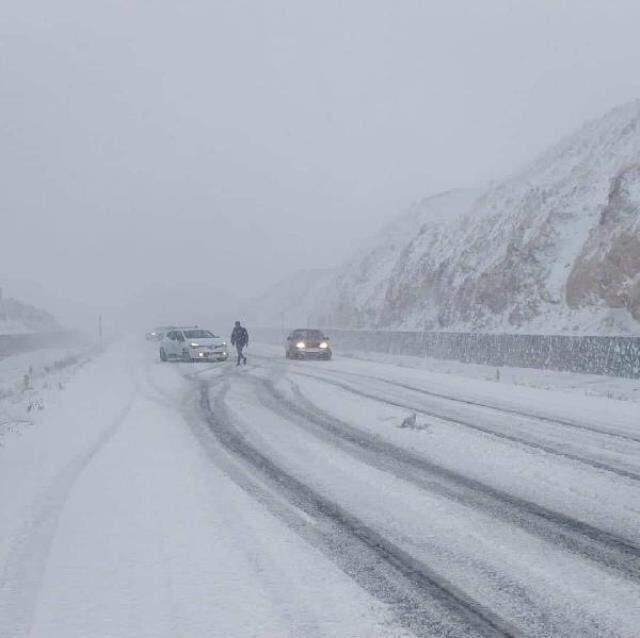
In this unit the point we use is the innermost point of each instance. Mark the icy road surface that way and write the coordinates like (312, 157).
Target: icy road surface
(284, 499)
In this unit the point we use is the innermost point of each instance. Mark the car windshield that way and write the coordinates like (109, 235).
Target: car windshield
(199, 334)
(308, 334)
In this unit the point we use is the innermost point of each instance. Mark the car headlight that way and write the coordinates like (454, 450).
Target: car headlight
(300, 345)
(324, 345)
(194, 345)
(224, 343)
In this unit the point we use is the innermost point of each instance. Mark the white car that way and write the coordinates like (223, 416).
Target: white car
(192, 344)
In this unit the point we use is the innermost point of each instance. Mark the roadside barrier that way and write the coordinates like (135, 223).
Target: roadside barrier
(614, 356)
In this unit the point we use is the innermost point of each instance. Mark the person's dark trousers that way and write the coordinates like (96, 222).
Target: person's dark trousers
(241, 356)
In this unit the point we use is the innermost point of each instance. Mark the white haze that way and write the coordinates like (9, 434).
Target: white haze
(197, 151)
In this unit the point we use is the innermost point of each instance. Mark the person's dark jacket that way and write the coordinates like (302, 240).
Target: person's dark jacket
(240, 337)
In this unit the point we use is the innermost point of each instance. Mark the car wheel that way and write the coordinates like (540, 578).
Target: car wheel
(163, 355)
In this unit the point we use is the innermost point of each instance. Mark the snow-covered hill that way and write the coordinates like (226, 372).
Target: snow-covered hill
(553, 248)
(17, 317)
(360, 291)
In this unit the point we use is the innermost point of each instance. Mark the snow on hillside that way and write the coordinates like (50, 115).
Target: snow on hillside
(510, 264)
(17, 317)
(553, 248)
(360, 290)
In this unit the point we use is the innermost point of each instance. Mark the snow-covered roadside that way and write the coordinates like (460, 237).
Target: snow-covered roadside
(571, 383)
(584, 384)
(38, 467)
(31, 382)
(115, 521)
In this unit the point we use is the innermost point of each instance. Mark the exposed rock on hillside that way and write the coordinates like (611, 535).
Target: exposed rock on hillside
(607, 272)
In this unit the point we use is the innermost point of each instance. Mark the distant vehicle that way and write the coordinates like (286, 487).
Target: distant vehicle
(192, 344)
(306, 343)
(157, 333)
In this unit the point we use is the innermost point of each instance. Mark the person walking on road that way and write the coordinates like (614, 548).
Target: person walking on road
(240, 339)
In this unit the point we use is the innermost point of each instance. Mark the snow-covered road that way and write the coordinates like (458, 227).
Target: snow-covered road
(283, 499)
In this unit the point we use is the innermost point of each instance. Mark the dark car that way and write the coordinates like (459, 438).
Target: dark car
(306, 343)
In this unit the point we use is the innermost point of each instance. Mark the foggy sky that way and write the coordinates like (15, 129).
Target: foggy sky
(225, 144)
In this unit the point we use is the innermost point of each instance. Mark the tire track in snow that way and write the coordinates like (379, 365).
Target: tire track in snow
(581, 538)
(346, 534)
(492, 406)
(277, 506)
(599, 465)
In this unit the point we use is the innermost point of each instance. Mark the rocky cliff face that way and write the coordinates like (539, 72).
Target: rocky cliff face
(553, 248)
(607, 271)
(531, 239)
